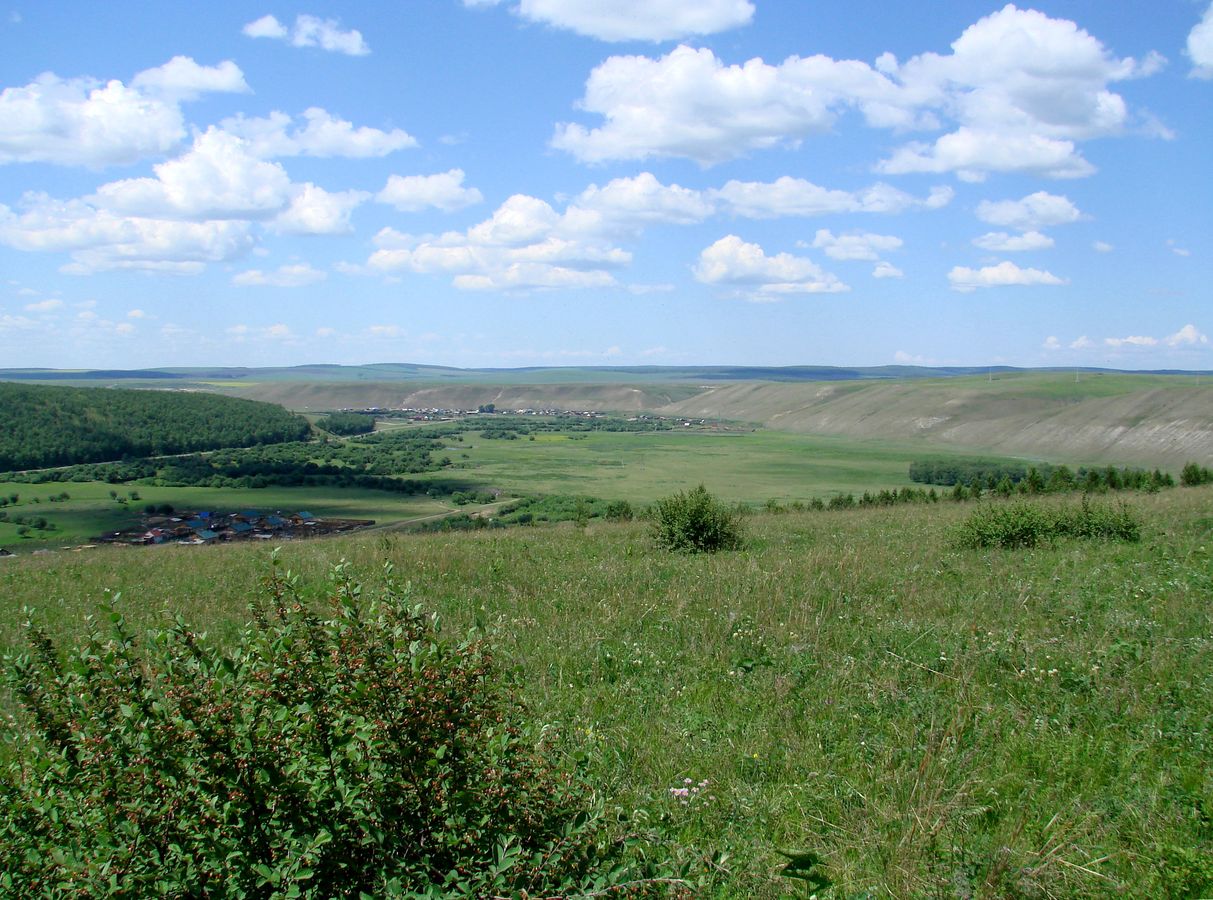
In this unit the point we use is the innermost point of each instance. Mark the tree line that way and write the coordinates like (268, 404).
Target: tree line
(42, 426)
(376, 461)
(347, 423)
(996, 475)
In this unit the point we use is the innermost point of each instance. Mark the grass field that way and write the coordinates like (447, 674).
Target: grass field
(934, 722)
(746, 467)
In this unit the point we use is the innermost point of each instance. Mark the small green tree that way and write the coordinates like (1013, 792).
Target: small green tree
(696, 522)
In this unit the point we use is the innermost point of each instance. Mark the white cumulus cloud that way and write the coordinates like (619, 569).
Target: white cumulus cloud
(84, 122)
(310, 31)
(313, 210)
(787, 196)
(183, 79)
(444, 191)
(644, 200)
(216, 179)
(1004, 274)
(1133, 340)
(321, 134)
(690, 104)
(855, 245)
(632, 20)
(298, 275)
(1035, 211)
(1200, 46)
(1002, 242)
(735, 263)
(101, 240)
(972, 153)
(524, 245)
(1018, 93)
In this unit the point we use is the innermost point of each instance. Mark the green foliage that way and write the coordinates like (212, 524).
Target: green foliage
(1005, 478)
(965, 471)
(1023, 524)
(374, 462)
(56, 426)
(1186, 872)
(351, 752)
(347, 423)
(1194, 474)
(695, 522)
(619, 511)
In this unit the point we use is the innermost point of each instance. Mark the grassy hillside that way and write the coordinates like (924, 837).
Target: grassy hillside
(42, 426)
(304, 395)
(932, 721)
(1144, 419)
(1139, 419)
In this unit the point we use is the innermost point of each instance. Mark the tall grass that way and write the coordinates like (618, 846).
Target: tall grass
(930, 720)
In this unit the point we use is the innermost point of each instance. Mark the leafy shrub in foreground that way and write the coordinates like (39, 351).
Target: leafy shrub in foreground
(1030, 524)
(347, 754)
(695, 522)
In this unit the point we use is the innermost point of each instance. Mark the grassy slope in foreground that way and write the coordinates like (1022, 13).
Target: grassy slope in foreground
(932, 721)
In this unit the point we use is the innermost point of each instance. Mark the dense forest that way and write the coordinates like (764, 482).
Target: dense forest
(374, 461)
(347, 423)
(43, 426)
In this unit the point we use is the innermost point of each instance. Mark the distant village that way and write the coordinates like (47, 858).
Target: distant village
(446, 414)
(206, 527)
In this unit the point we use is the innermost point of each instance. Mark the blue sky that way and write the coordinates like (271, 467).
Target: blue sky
(618, 182)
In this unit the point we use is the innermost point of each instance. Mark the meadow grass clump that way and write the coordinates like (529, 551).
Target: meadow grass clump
(342, 753)
(1025, 524)
(695, 522)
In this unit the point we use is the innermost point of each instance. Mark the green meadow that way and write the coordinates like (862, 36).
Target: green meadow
(747, 466)
(930, 721)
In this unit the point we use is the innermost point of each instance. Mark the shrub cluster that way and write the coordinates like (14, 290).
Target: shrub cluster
(343, 754)
(695, 522)
(1194, 474)
(1022, 524)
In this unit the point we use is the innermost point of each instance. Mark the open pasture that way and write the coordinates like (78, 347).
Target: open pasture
(931, 721)
(747, 467)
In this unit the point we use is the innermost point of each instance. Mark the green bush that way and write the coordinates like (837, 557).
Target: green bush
(349, 753)
(619, 511)
(1194, 474)
(695, 522)
(1023, 524)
